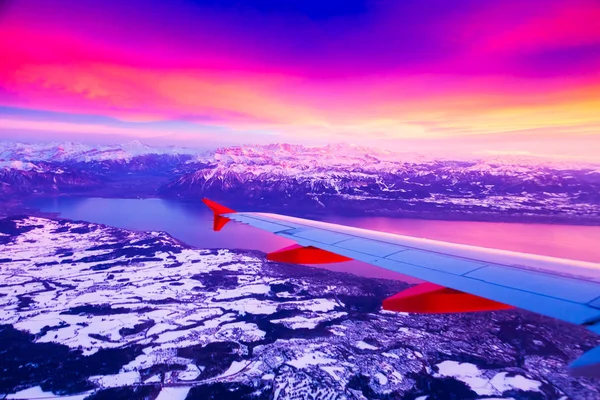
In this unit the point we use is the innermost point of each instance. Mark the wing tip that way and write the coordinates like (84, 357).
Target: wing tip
(218, 210)
(588, 365)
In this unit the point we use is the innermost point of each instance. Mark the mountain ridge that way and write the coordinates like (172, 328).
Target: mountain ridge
(343, 179)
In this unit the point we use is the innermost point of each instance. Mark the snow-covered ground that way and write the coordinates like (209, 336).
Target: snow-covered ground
(483, 385)
(179, 322)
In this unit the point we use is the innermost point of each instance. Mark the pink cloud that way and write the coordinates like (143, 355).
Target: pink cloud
(253, 80)
(15, 125)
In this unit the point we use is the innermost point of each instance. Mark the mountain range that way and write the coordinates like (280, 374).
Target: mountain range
(343, 179)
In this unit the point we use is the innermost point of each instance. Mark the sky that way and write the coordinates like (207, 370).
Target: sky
(490, 77)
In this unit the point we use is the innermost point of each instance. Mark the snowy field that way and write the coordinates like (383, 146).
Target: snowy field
(141, 315)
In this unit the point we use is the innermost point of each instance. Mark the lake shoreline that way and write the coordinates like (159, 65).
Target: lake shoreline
(22, 205)
(191, 222)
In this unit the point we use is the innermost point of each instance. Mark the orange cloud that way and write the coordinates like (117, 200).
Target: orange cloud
(58, 71)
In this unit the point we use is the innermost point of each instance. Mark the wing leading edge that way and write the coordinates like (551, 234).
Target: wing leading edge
(477, 278)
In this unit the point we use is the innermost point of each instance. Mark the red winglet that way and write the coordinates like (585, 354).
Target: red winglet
(430, 298)
(218, 209)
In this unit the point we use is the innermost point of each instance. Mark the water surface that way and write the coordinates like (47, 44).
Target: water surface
(191, 222)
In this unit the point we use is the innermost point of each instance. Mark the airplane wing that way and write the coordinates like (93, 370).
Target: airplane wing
(461, 277)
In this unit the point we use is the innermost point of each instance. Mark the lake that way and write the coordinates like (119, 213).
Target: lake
(191, 222)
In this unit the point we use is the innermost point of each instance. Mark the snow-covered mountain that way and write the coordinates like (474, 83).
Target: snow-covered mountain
(19, 155)
(129, 169)
(344, 179)
(350, 179)
(79, 152)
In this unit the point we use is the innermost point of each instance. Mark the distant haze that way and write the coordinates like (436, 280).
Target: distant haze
(446, 149)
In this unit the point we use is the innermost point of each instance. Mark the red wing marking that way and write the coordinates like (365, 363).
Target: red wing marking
(297, 254)
(431, 298)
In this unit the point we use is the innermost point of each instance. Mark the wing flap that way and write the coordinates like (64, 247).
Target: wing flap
(445, 263)
(371, 247)
(570, 289)
(321, 236)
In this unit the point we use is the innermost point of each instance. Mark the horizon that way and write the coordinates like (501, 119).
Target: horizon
(463, 79)
(509, 157)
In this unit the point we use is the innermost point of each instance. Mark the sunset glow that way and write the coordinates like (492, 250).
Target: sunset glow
(474, 75)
